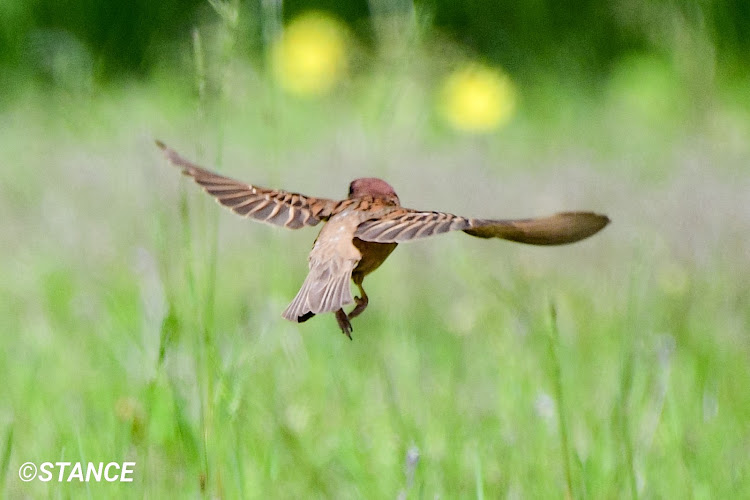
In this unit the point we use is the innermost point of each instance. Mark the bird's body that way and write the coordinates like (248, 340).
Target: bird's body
(361, 231)
(333, 259)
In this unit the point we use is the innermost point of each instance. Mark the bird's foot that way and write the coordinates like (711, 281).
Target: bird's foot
(344, 324)
(360, 307)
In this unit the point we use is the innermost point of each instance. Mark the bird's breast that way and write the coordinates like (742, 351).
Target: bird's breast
(373, 254)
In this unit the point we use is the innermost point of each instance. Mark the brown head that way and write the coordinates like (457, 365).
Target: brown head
(375, 188)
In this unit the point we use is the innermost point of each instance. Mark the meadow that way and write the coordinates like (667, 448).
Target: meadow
(142, 322)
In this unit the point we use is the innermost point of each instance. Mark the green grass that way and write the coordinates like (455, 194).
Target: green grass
(141, 322)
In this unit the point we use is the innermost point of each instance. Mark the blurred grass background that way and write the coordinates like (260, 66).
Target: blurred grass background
(142, 322)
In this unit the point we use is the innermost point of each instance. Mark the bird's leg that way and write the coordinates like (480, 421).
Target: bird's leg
(361, 301)
(346, 327)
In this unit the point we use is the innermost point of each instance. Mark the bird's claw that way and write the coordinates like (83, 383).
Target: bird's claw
(344, 324)
(361, 305)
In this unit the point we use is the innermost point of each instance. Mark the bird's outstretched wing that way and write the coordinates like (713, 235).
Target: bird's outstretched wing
(404, 224)
(280, 208)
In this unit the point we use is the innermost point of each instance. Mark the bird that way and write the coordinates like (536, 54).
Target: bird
(362, 230)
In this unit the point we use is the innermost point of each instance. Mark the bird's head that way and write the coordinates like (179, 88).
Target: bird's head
(374, 188)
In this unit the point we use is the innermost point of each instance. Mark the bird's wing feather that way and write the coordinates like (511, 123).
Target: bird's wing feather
(273, 206)
(404, 224)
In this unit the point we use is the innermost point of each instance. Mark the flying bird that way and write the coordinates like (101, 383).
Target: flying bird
(361, 231)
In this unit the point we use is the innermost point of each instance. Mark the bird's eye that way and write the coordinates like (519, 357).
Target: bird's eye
(351, 189)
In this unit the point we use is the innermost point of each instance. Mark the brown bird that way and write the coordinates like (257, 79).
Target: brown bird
(362, 231)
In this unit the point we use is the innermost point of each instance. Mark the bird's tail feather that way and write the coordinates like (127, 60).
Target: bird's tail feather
(321, 292)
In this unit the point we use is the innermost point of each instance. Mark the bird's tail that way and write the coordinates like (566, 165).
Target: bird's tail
(322, 291)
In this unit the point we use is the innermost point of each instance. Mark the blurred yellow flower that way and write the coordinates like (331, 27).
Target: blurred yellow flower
(477, 98)
(310, 57)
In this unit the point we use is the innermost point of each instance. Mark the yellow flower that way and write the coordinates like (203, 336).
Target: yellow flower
(310, 56)
(477, 98)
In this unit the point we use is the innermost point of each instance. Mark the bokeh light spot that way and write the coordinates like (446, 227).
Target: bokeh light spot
(477, 99)
(310, 57)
